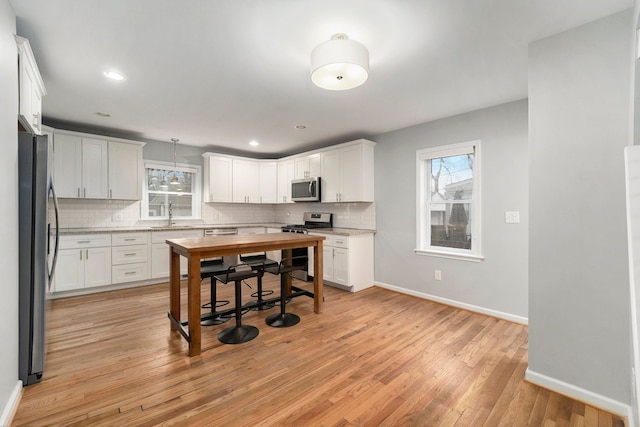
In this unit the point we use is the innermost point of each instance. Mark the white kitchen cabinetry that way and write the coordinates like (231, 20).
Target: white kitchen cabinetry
(31, 88)
(129, 257)
(347, 260)
(80, 167)
(83, 261)
(245, 182)
(125, 171)
(217, 179)
(307, 166)
(160, 251)
(268, 182)
(285, 176)
(347, 173)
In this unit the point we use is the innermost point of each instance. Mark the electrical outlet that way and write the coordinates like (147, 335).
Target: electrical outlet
(117, 217)
(437, 274)
(512, 217)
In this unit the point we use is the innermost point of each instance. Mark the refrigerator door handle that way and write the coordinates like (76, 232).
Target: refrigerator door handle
(52, 190)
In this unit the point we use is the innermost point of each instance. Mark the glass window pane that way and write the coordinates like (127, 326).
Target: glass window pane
(451, 225)
(163, 188)
(452, 177)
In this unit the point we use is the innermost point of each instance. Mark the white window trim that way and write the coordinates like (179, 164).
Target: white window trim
(196, 190)
(474, 254)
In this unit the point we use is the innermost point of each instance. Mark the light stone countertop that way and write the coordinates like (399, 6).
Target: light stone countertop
(141, 228)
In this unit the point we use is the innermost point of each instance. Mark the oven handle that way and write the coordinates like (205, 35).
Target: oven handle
(221, 232)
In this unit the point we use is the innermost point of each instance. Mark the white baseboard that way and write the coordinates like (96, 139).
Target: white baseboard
(12, 405)
(482, 310)
(586, 396)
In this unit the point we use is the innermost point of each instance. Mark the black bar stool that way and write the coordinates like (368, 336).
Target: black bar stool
(237, 273)
(208, 269)
(286, 266)
(260, 258)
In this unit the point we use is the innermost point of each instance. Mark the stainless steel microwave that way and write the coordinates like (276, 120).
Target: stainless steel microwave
(305, 190)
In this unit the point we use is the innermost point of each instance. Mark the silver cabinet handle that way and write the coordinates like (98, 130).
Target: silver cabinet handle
(87, 254)
(129, 239)
(129, 273)
(78, 192)
(84, 241)
(130, 254)
(110, 193)
(80, 255)
(85, 193)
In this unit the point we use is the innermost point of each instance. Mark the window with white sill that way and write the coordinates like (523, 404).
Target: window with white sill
(448, 201)
(165, 184)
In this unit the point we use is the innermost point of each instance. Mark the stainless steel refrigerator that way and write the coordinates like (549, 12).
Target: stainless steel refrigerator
(38, 247)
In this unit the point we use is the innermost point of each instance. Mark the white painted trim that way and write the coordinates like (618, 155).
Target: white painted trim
(477, 309)
(12, 405)
(586, 396)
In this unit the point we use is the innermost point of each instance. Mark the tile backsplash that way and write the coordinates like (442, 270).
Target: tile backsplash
(80, 213)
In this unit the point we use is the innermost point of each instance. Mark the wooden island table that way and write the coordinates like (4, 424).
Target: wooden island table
(198, 248)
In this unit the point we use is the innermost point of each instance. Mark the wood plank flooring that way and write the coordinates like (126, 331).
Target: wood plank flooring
(375, 358)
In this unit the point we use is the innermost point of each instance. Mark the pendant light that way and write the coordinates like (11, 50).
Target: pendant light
(174, 179)
(339, 63)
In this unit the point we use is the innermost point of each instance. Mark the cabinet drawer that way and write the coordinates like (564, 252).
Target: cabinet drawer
(129, 272)
(79, 241)
(162, 236)
(328, 241)
(341, 242)
(129, 254)
(121, 239)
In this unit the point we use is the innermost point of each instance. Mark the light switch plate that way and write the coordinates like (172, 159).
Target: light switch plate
(512, 217)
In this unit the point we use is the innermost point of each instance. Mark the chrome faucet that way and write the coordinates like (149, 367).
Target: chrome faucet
(170, 215)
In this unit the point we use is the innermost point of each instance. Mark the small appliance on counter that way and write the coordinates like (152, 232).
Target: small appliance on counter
(312, 220)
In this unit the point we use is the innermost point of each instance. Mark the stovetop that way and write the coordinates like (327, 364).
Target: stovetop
(312, 220)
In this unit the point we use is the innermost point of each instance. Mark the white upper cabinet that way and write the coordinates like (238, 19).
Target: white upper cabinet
(307, 166)
(285, 175)
(125, 171)
(268, 182)
(93, 168)
(217, 178)
(80, 169)
(31, 88)
(347, 173)
(245, 182)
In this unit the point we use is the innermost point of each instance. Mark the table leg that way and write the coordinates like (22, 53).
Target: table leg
(174, 286)
(318, 284)
(195, 328)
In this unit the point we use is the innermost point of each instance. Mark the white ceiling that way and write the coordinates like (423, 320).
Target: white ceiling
(218, 74)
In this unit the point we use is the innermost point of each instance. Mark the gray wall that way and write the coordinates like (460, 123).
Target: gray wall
(499, 283)
(579, 100)
(9, 197)
(163, 151)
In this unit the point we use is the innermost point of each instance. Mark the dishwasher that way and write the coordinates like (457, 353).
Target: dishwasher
(209, 232)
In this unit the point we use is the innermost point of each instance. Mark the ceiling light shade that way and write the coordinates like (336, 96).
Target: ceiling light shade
(339, 63)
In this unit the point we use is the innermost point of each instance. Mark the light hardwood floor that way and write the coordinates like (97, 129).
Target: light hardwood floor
(375, 358)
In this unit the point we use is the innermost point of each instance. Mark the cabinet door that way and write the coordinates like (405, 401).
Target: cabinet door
(341, 266)
(331, 176)
(285, 176)
(246, 176)
(351, 180)
(97, 267)
(69, 270)
(67, 159)
(327, 263)
(268, 182)
(125, 171)
(94, 168)
(160, 261)
(220, 179)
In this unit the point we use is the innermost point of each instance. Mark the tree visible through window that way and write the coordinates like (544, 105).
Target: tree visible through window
(448, 199)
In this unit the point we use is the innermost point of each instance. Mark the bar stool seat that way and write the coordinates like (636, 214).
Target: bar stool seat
(208, 269)
(260, 258)
(286, 266)
(237, 273)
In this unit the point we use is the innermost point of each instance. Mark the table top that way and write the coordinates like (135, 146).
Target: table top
(236, 244)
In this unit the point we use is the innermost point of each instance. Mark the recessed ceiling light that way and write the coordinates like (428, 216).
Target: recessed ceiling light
(254, 143)
(113, 75)
(300, 127)
(101, 114)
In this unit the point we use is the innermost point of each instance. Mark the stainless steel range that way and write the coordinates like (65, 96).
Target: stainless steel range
(312, 220)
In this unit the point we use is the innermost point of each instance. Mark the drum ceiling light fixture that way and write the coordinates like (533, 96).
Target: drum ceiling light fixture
(339, 63)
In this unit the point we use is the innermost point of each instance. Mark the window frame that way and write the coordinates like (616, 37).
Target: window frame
(423, 194)
(196, 205)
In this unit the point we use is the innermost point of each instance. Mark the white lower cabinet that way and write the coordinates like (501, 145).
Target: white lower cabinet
(84, 261)
(347, 260)
(160, 251)
(129, 257)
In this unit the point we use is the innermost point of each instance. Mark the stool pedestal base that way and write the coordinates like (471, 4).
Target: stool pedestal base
(238, 334)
